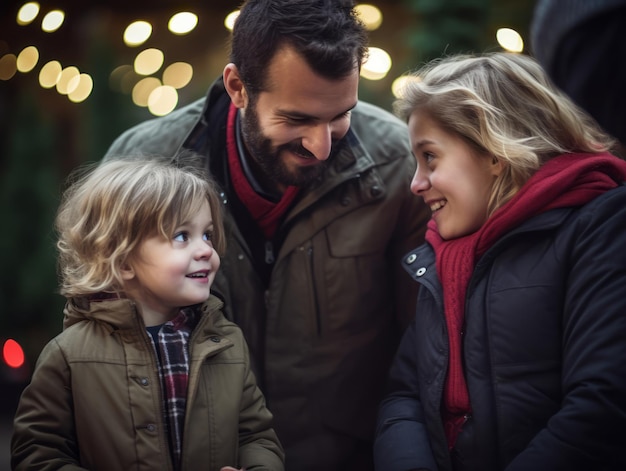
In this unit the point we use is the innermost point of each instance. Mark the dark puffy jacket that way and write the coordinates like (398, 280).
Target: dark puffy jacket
(544, 351)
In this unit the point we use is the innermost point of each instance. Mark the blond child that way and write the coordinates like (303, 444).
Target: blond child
(147, 373)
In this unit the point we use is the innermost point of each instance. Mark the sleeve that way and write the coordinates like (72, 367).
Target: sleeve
(588, 432)
(402, 442)
(44, 436)
(259, 447)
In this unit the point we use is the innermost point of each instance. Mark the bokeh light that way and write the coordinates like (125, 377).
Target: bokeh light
(63, 83)
(12, 353)
(27, 13)
(143, 89)
(49, 74)
(81, 86)
(52, 21)
(137, 33)
(162, 100)
(8, 66)
(27, 59)
(510, 40)
(229, 21)
(178, 74)
(370, 15)
(377, 64)
(182, 23)
(149, 61)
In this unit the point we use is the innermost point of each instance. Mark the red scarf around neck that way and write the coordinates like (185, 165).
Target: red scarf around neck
(267, 214)
(567, 180)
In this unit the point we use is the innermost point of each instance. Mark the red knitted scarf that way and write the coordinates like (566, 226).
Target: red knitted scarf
(267, 214)
(567, 180)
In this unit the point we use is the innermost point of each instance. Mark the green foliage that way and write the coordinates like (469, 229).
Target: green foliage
(29, 185)
(443, 27)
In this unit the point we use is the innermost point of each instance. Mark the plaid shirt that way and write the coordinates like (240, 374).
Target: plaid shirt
(172, 351)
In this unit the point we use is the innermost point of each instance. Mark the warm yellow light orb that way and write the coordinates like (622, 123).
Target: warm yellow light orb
(27, 13)
(510, 40)
(183, 22)
(137, 33)
(52, 21)
(149, 61)
(377, 64)
(370, 15)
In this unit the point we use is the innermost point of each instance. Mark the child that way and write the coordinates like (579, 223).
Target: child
(147, 373)
(515, 358)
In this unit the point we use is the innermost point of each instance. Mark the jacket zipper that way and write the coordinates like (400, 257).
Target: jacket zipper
(318, 319)
(269, 252)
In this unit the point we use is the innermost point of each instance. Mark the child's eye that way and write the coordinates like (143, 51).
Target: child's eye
(428, 156)
(181, 237)
(208, 236)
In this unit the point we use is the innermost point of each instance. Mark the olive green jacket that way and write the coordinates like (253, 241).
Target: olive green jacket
(95, 403)
(323, 329)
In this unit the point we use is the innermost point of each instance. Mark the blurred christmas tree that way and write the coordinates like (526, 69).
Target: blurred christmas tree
(443, 27)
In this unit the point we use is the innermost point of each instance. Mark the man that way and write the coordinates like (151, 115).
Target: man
(319, 213)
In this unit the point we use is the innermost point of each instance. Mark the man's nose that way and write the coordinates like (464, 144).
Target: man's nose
(318, 141)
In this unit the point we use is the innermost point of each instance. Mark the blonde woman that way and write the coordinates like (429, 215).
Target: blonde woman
(516, 356)
(147, 373)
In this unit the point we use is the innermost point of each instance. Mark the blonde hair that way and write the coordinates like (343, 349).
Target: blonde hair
(108, 210)
(505, 107)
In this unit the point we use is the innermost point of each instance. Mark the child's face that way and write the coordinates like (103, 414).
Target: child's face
(454, 181)
(171, 273)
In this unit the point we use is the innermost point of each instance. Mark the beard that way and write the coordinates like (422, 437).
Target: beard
(268, 157)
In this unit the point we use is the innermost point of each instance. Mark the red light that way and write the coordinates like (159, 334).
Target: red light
(13, 353)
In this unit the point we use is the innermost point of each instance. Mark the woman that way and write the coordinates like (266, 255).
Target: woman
(516, 359)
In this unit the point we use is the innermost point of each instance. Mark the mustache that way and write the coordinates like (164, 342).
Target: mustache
(298, 148)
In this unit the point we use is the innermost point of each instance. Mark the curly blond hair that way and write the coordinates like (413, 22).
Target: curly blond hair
(109, 209)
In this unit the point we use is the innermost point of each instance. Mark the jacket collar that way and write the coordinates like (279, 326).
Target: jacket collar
(117, 313)
(350, 163)
(419, 263)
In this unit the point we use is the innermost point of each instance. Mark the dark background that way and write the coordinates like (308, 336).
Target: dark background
(43, 135)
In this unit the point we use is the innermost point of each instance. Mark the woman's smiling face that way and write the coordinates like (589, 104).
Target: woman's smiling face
(453, 180)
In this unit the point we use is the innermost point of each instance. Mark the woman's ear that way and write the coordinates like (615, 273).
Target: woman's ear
(497, 166)
(234, 86)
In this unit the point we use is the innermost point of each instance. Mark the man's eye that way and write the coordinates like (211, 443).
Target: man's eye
(181, 237)
(297, 121)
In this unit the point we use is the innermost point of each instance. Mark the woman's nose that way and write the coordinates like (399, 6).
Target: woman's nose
(420, 181)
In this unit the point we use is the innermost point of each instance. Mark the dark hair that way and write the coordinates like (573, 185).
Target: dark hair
(327, 33)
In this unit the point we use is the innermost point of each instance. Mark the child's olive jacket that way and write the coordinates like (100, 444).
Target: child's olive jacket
(94, 401)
